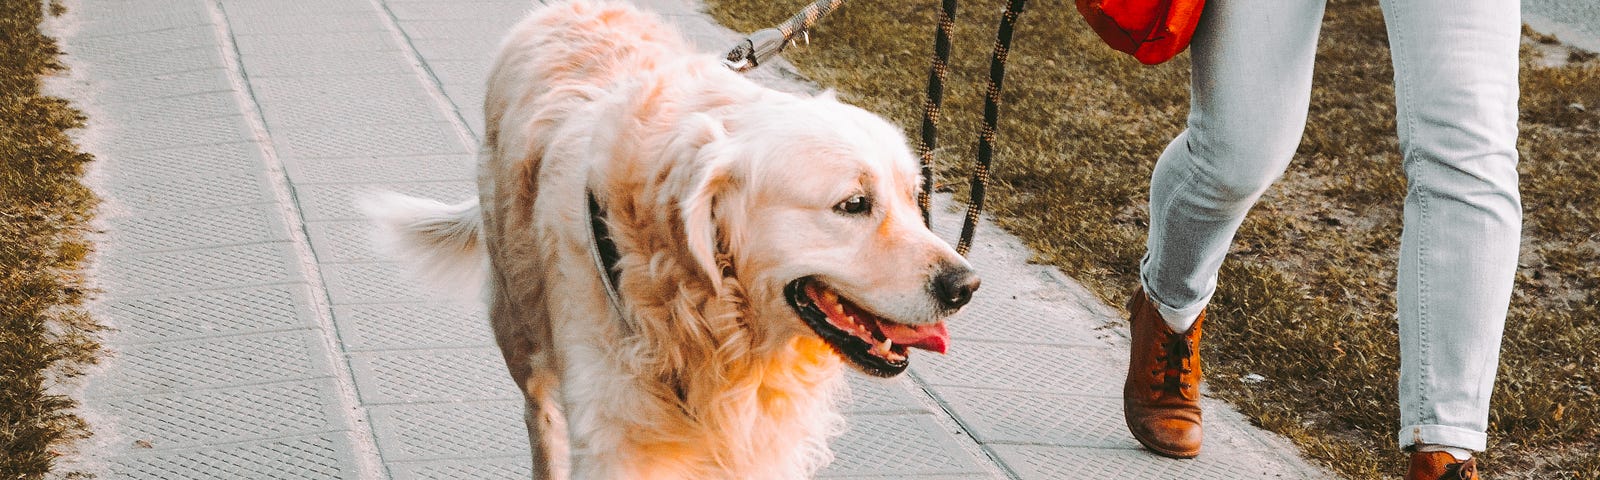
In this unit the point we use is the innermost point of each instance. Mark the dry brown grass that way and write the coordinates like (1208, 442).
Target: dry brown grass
(1307, 296)
(44, 334)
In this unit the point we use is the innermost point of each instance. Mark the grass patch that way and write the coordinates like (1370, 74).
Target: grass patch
(44, 334)
(1307, 294)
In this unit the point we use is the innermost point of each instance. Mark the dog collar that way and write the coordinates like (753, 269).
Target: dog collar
(604, 251)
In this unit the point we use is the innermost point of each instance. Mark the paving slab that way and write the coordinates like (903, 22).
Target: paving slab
(256, 334)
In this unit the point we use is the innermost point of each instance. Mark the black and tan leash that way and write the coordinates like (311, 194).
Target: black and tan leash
(991, 119)
(930, 106)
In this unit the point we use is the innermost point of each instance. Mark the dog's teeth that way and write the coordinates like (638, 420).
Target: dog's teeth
(888, 344)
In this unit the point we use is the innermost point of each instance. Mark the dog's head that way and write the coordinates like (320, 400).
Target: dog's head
(811, 203)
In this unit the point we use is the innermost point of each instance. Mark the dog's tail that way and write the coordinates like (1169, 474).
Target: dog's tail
(443, 244)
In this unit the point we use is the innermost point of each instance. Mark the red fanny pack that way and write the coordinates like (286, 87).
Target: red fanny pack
(1153, 31)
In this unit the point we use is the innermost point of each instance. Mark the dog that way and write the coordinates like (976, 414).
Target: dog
(761, 241)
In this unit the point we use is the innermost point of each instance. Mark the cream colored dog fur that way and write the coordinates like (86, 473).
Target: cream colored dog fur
(734, 208)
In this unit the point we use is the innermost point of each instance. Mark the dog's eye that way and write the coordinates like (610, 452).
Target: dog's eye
(855, 205)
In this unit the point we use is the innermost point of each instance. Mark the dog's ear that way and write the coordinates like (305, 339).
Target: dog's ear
(710, 177)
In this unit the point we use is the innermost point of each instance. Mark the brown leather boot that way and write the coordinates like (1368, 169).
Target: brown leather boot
(1441, 466)
(1161, 398)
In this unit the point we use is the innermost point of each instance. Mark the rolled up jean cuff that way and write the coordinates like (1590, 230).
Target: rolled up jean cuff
(1167, 312)
(1442, 435)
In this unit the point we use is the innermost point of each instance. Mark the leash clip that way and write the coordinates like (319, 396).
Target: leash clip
(755, 49)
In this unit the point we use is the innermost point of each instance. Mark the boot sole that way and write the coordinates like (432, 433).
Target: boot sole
(1183, 455)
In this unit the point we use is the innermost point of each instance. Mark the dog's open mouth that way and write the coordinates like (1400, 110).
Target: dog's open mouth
(875, 345)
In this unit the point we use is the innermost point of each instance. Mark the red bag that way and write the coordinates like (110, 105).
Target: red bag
(1153, 31)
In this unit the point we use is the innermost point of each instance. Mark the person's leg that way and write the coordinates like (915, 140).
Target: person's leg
(1455, 65)
(1250, 90)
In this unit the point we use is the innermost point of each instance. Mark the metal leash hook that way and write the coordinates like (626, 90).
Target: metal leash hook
(767, 43)
(755, 50)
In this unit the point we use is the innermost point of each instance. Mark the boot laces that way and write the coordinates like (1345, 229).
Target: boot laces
(1174, 360)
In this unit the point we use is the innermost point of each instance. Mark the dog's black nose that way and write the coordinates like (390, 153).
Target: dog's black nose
(955, 285)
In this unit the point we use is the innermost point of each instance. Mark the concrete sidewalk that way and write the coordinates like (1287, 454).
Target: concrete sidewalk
(257, 335)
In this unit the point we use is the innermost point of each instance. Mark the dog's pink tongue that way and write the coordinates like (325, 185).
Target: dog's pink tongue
(931, 337)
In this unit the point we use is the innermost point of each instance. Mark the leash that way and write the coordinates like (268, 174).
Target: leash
(930, 107)
(991, 119)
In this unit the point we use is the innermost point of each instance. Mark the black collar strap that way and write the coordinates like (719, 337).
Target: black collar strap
(604, 251)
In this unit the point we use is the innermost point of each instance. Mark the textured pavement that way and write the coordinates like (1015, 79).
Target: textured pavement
(1575, 22)
(256, 334)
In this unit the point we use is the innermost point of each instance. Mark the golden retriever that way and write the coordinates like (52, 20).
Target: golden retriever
(763, 240)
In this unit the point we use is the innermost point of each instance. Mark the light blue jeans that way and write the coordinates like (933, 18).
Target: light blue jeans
(1455, 64)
